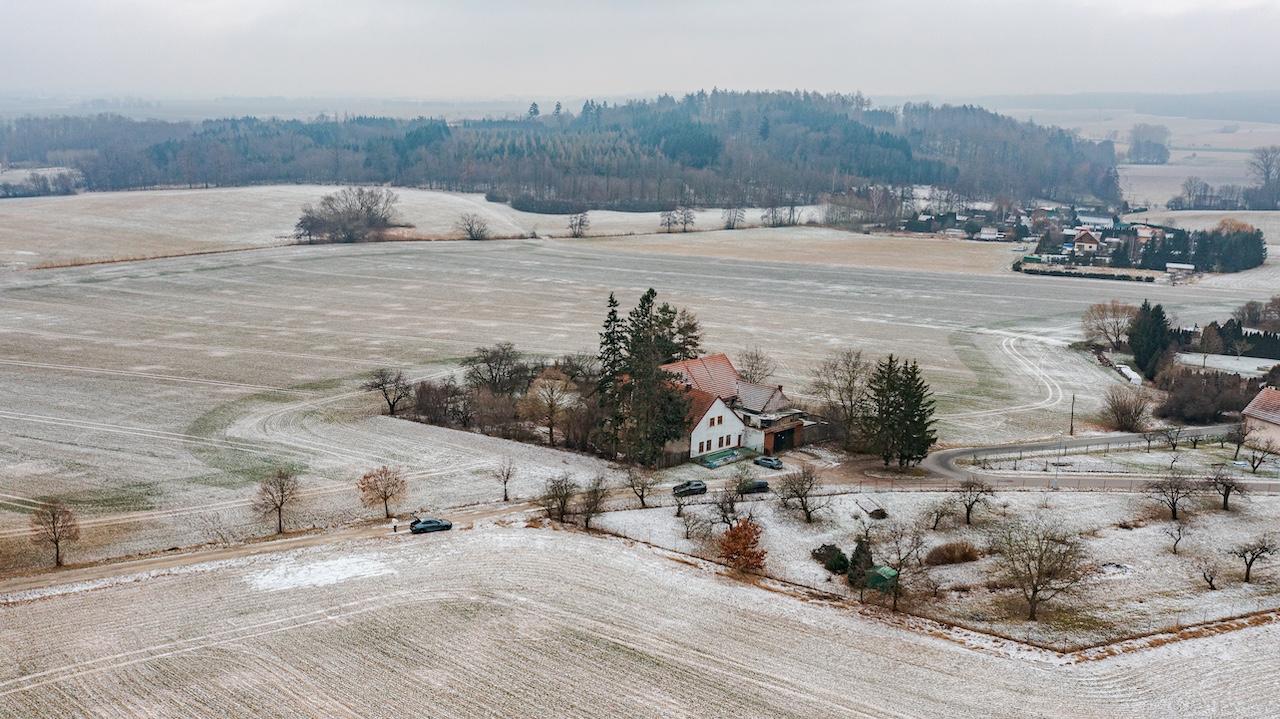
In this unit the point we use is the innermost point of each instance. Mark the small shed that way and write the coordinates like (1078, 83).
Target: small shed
(882, 578)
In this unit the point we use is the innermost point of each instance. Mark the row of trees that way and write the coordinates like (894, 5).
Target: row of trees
(723, 148)
(1264, 194)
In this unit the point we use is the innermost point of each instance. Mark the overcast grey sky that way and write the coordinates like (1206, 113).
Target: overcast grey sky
(505, 48)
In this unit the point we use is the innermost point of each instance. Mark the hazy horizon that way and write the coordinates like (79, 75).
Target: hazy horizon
(452, 51)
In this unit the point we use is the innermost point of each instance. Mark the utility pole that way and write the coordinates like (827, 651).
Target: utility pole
(1072, 430)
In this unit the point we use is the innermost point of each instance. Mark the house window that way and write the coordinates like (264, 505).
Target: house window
(700, 447)
(739, 441)
(719, 442)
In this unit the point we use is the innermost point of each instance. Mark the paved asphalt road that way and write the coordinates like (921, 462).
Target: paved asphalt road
(943, 464)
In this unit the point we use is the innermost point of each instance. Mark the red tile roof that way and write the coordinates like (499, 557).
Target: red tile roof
(699, 403)
(713, 373)
(1266, 406)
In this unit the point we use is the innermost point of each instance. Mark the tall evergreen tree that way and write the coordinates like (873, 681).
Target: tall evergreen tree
(917, 434)
(651, 406)
(884, 409)
(612, 367)
(1149, 337)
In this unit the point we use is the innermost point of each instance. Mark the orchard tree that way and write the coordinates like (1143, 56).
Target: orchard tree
(1250, 552)
(1225, 484)
(641, 484)
(973, 493)
(797, 491)
(1171, 492)
(1042, 559)
(590, 501)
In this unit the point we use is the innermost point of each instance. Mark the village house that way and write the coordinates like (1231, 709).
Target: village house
(1262, 416)
(728, 412)
(1085, 242)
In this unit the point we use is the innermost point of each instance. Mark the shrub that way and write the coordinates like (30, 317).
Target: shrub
(831, 558)
(952, 553)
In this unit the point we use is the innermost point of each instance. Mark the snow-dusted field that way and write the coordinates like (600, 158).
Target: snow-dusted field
(1244, 366)
(117, 225)
(1142, 587)
(157, 390)
(519, 622)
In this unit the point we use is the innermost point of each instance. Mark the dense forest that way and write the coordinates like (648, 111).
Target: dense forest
(725, 148)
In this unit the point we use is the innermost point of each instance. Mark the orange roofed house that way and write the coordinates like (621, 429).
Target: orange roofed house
(1262, 416)
(726, 411)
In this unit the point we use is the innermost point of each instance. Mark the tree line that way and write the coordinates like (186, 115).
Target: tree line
(718, 148)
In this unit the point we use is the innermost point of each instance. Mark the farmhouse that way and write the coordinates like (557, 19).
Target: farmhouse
(760, 417)
(1262, 416)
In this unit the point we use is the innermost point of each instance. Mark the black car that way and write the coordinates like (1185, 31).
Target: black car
(690, 488)
(422, 526)
(770, 462)
(754, 486)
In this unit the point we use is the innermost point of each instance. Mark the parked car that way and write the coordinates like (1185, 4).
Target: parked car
(690, 488)
(770, 462)
(753, 486)
(422, 526)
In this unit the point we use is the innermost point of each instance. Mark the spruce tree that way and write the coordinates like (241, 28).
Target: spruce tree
(612, 366)
(884, 411)
(916, 428)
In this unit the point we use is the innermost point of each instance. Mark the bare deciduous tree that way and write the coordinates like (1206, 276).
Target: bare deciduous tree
(549, 397)
(1126, 408)
(381, 486)
(557, 494)
(755, 366)
(840, 382)
(353, 214)
(898, 545)
(724, 506)
(1176, 532)
(686, 217)
(276, 493)
(973, 493)
(1171, 492)
(473, 226)
(393, 386)
(796, 491)
(641, 484)
(1108, 322)
(54, 524)
(1260, 451)
(680, 502)
(940, 510)
(1224, 484)
(1042, 559)
(1209, 568)
(733, 217)
(1251, 552)
(213, 527)
(1172, 436)
(579, 224)
(1238, 435)
(696, 525)
(504, 473)
(591, 500)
